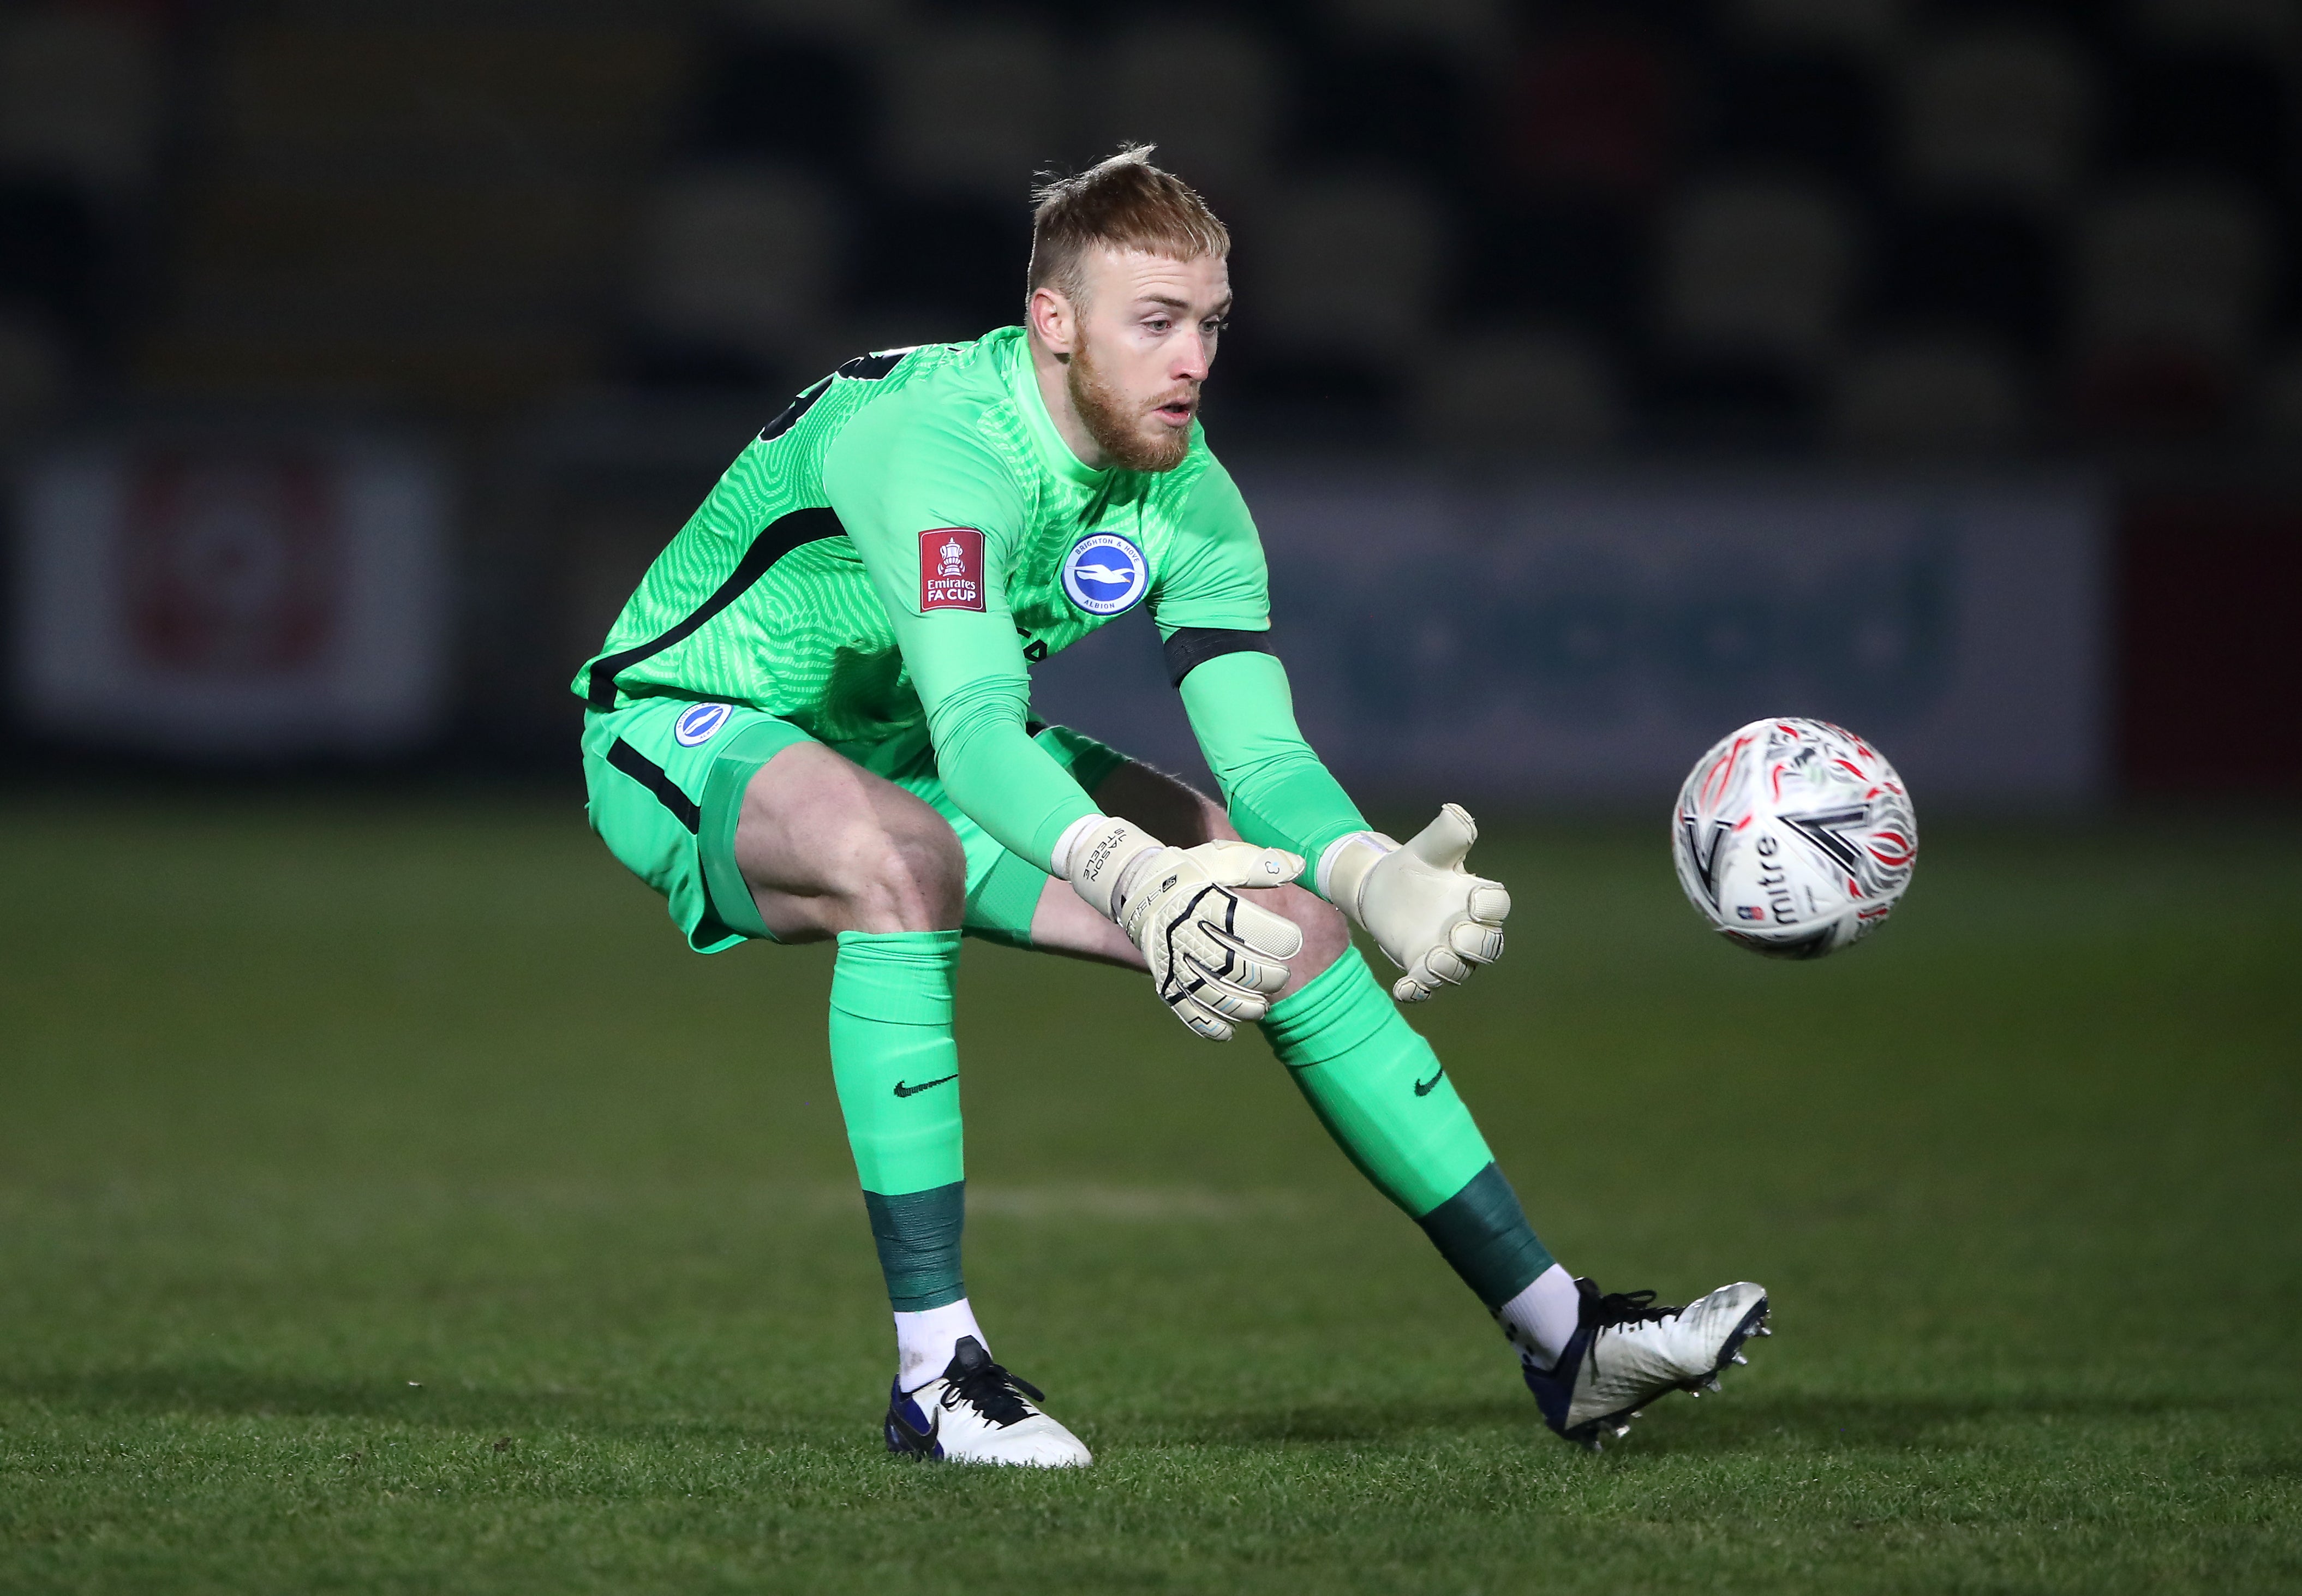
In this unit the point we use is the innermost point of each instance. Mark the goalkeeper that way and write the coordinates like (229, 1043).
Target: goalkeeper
(812, 720)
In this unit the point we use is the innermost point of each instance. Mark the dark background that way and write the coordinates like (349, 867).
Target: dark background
(582, 250)
(390, 1201)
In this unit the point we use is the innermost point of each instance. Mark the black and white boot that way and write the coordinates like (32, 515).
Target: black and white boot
(975, 1412)
(1626, 1351)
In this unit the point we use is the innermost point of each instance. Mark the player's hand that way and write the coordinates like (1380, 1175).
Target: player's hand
(1215, 959)
(1435, 920)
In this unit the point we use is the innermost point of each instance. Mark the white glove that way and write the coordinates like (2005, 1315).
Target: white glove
(1215, 959)
(1435, 920)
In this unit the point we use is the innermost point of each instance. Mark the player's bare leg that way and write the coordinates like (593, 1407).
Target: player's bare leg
(825, 846)
(1592, 1359)
(830, 850)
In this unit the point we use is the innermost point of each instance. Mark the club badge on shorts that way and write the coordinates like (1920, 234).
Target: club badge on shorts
(1104, 574)
(950, 568)
(697, 726)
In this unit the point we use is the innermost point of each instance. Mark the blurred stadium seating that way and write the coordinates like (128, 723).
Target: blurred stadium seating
(1825, 230)
(1733, 206)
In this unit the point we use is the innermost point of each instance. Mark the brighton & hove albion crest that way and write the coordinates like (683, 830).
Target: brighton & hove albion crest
(950, 568)
(696, 725)
(1104, 574)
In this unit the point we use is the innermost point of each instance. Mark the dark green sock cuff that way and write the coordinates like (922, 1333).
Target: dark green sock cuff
(1482, 1233)
(918, 1235)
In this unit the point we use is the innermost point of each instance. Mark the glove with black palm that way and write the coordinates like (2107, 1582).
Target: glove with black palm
(1215, 959)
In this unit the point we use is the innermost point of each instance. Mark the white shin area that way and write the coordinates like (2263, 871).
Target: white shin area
(925, 1342)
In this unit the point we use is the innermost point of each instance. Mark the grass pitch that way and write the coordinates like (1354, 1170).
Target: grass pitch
(388, 1203)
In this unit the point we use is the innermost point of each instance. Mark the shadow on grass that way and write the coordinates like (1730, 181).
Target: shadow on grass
(218, 1391)
(1751, 1423)
(1736, 1424)
(1338, 1423)
(1680, 1426)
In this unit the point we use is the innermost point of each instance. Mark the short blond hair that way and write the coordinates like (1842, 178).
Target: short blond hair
(1121, 203)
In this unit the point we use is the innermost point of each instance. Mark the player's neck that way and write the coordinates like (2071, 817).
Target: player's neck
(1049, 370)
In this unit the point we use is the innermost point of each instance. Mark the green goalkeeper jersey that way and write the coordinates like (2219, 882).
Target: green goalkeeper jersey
(884, 562)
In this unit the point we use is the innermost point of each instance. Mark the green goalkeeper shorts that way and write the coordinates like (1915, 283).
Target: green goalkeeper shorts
(665, 781)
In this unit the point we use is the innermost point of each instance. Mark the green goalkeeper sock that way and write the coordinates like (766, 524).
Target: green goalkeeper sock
(896, 1066)
(1383, 1096)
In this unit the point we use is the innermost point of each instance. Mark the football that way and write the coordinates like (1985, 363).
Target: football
(1795, 837)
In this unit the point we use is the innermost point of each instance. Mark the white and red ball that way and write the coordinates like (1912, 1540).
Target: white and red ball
(1795, 837)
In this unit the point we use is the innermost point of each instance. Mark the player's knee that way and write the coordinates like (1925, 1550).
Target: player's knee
(1170, 810)
(910, 874)
(1214, 822)
(1179, 813)
(1326, 935)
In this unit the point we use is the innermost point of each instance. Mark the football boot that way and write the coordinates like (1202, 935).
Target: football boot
(975, 1412)
(1627, 1350)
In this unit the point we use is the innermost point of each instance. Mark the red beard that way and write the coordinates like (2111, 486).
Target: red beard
(1128, 436)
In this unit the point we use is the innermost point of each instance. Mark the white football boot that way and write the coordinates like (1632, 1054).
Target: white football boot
(975, 1412)
(1626, 1351)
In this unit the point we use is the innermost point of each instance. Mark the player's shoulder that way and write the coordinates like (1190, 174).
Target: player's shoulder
(915, 384)
(960, 372)
(934, 397)
(943, 382)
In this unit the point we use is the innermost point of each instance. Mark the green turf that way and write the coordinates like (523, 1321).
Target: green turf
(388, 1201)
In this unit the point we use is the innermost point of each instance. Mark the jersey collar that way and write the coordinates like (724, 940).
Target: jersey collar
(1054, 452)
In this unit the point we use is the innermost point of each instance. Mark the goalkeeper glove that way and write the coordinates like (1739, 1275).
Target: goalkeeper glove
(1435, 920)
(1215, 959)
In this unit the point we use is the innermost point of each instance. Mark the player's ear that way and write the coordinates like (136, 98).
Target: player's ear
(1052, 319)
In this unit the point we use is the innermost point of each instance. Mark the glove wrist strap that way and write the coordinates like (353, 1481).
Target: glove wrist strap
(1343, 868)
(1096, 863)
(1060, 854)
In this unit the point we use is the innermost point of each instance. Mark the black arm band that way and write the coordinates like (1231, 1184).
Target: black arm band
(1193, 646)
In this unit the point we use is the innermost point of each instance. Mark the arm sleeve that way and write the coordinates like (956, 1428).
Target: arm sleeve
(1278, 793)
(898, 471)
(1216, 598)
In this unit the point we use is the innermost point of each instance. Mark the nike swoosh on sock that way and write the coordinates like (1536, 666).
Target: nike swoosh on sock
(911, 1091)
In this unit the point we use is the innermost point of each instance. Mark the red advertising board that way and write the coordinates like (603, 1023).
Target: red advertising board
(231, 568)
(233, 598)
(2210, 644)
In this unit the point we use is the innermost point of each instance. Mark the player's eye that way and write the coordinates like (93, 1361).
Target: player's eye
(1214, 326)
(1158, 323)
